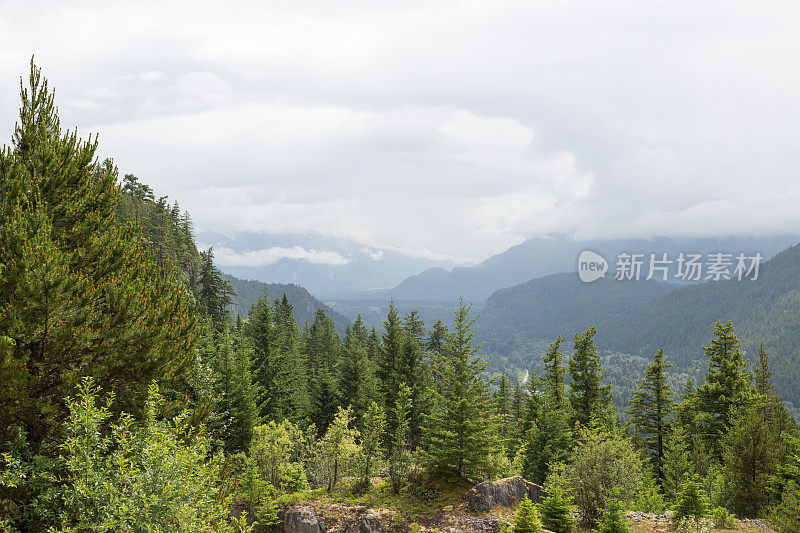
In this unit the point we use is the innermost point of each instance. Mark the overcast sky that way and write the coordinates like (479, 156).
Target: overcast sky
(442, 129)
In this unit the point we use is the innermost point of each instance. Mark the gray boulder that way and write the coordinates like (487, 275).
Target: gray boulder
(302, 520)
(507, 492)
(371, 524)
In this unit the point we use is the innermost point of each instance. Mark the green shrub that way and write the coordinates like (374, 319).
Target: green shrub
(556, 511)
(694, 524)
(293, 478)
(601, 461)
(723, 518)
(614, 520)
(156, 477)
(527, 520)
(692, 501)
(786, 515)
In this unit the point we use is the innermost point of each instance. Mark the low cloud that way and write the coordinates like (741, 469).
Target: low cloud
(269, 256)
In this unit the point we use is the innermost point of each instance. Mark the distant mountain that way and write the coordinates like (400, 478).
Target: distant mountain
(304, 305)
(326, 266)
(536, 258)
(640, 317)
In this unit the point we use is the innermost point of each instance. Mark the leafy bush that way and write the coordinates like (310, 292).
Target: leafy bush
(650, 498)
(556, 511)
(786, 515)
(692, 501)
(293, 478)
(155, 477)
(694, 524)
(600, 462)
(527, 520)
(723, 518)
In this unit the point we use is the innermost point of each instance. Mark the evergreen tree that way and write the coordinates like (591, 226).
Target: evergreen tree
(357, 372)
(547, 442)
(271, 372)
(215, 291)
(693, 501)
(458, 438)
(526, 519)
(322, 347)
(399, 456)
(589, 398)
(763, 375)
(728, 385)
(651, 409)
(556, 511)
(390, 356)
(752, 453)
(677, 463)
(242, 400)
(614, 518)
(554, 372)
(287, 339)
(79, 296)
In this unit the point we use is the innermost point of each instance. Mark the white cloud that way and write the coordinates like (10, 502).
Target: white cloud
(377, 255)
(444, 129)
(269, 256)
(152, 75)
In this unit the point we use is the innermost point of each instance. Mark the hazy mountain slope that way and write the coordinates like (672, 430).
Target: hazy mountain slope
(640, 317)
(326, 266)
(549, 306)
(248, 292)
(766, 310)
(536, 258)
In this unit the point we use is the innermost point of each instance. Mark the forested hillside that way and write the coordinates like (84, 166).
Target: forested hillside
(248, 292)
(638, 317)
(535, 258)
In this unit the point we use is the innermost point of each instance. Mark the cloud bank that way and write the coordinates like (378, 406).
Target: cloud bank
(447, 129)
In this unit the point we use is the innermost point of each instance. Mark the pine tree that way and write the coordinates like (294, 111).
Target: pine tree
(692, 501)
(728, 385)
(556, 511)
(589, 398)
(614, 518)
(78, 295)
(399, 440)
(271, 373)
(526, 519)
(215, 291)
(389, 371)
(752, 454)
(554, 372)
(763, 374)
(458, 438)
(321, 346)
(288, 338)
(547, 442)
(242, 399)
(357, 372)
(651, 409)
(677, 463)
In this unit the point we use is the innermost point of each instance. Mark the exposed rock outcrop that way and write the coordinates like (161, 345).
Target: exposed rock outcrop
(371, 524)
(507, 492)
(302, 520)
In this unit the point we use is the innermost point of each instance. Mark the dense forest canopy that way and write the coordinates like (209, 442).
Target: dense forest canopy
(134, 400)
